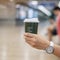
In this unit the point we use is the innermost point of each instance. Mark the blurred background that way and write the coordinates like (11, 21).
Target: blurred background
(22, 9)
(12, 15)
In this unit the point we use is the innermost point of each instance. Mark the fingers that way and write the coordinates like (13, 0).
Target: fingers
(30, 41)
(30, 35)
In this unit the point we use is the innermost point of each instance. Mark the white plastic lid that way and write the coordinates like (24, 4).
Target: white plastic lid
(32, 20)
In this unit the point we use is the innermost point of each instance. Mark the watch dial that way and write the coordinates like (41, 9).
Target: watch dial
(50, 50)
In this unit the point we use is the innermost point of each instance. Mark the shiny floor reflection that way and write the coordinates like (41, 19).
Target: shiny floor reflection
(13, 46)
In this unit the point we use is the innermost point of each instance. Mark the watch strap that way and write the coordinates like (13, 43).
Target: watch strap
(51, 44)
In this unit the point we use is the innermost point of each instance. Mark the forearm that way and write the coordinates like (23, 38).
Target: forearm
(57, 50)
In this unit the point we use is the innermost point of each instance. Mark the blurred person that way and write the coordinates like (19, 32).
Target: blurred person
(56, 11)
(41, 43)
(52, 30)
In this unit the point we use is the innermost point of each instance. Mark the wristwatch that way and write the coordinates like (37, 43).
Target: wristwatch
(50, 49)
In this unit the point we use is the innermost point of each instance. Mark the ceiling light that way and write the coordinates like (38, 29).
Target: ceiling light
(44, 10)
(34, 2)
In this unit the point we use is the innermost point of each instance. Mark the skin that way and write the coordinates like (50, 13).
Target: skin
(36, 41)
(40, 42)
(50, 29)
(50, 34)
(56, 12)
(51, 21)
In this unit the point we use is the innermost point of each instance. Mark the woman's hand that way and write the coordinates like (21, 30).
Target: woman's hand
(36, 41)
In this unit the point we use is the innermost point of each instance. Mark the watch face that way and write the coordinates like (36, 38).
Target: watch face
(50, 50)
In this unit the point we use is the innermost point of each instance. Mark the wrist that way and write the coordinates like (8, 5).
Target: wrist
(50, 48)
(47, 45)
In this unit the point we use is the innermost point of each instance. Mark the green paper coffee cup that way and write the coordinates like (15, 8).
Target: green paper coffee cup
(31, 25)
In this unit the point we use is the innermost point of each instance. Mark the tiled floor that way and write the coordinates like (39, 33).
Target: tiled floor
(14, 47)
